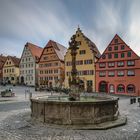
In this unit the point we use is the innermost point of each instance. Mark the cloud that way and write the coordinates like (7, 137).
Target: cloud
(38, 21)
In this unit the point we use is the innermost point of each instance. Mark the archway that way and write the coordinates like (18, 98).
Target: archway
(111, 89)
(22, 80)
(103, 86)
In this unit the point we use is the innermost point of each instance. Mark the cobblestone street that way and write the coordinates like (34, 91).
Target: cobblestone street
(15, 123)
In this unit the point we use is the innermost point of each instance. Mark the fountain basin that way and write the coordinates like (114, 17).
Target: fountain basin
(88, 111)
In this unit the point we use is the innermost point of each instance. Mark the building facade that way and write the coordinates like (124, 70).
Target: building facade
(11, 70)
(2, 61)
(51, 65)
(118, 69)
(29, 64)
(87, 55)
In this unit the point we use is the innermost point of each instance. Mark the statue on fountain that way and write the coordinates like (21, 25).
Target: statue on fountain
(73, 80)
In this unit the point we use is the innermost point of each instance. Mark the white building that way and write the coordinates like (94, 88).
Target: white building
(28, 64)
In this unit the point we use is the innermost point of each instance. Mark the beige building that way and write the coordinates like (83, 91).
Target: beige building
(87, 55)
(11, 70)
(2, 61)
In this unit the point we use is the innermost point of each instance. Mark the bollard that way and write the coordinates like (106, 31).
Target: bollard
(139, 101)
(131, 100)
(134, 100)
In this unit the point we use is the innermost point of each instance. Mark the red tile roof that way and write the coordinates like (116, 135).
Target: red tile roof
(15, 60)
(35, 50)
(59, 49)
(2, 60)
(93, 47)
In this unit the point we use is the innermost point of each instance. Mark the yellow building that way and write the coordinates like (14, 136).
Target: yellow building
(87, 55)
(11, 70)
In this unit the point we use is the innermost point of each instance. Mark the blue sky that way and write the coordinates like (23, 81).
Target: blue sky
(37, 21)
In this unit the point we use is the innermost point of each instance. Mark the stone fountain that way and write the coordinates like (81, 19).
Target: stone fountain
(74, 111)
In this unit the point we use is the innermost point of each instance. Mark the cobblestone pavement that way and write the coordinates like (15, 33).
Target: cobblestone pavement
(16, 125)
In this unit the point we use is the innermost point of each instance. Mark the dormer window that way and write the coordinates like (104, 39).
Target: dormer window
(115, 47)
(116, 41)
(82, 52)
(129, 54)
(109, 56)
(122, 47)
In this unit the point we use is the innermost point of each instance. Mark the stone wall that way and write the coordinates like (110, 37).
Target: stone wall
(57, 112)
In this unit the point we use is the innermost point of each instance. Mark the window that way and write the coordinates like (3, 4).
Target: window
(111, 73)
(88, 61)
(103, 56)
(68, 73)
(111, 64)
(131, 73)
(115, 47)
(82, 52)
(102, 74)
(68, 63)
(120, 64)
(110, 49)
(46, 57)
(56, 71)
(122, 55)
(102, 65)
(80, 62)
(130, 63)
(122, 47)
(109, 56)
(120, 88)
(116, 40)
(88, 72)
(115, 55)
(129, 54)
(121, 73)
(89, 83)
(131, 89)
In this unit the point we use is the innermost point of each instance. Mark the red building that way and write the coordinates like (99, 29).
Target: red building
(118, 69)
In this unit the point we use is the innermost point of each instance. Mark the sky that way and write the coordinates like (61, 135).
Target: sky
(38, 21)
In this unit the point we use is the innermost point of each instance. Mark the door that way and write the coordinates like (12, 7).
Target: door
(103, 86)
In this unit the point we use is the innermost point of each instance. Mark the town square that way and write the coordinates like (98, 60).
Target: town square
(69, 70)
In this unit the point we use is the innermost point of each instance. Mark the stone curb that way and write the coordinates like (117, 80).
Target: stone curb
(122, 120)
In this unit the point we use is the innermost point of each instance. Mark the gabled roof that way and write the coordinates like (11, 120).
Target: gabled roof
(91, 44)
(15, 60)
(120, 41)
(59, 49)
(35, 50)
(93, 47)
